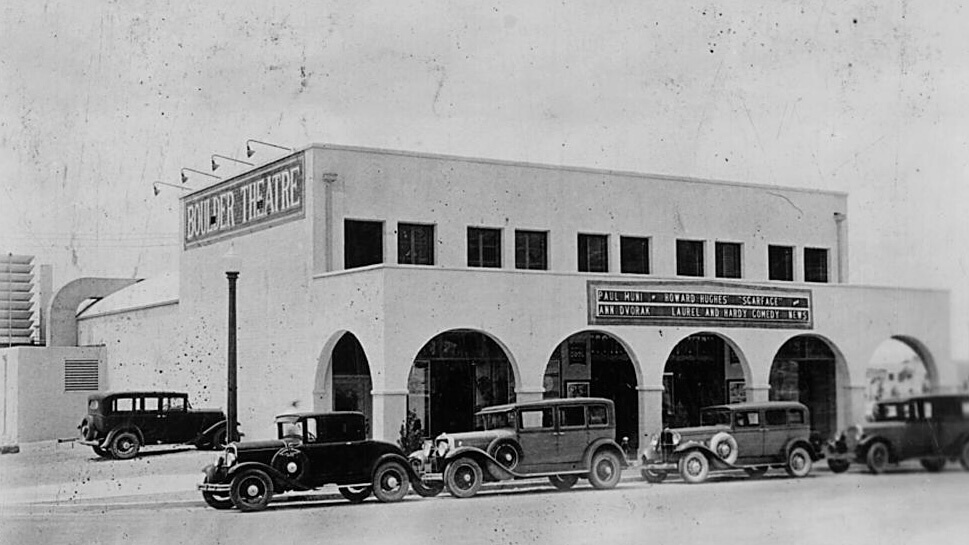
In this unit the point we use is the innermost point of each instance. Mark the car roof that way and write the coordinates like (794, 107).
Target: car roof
(308, 414)
(962, 395)
(756, 405)
(545, 403)
(103, 395)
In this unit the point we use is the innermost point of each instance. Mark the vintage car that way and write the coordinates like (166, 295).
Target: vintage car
(753, 437)
(933, 428)
(312, 450)
(118, 424)
(561, 439)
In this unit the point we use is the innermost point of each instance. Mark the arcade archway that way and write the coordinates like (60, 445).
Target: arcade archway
(806, 369)
(899, 367)
(594, 364)
(351, 378)
(456, 374)
(702, 370)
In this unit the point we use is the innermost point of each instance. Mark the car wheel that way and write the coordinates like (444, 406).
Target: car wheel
(251, 490)
(218, 501)
(933, 465)
(877, 458)
(694, 467)
(427, 489)
(507, 455)
(653, 476)
(725, 446)
(355, 494)
(87, 431)
(218, 440)
(101, 452)
(391, 482)
(606, 470)
(125, 445)
(799, 462)
(463, 477)
(838, 466)
(756, 472)
(563, 482)
(964, 456)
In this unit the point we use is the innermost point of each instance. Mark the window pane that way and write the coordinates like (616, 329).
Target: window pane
(593, 253)
(484, 247)
(571, 416)
(780, 261)
(415, 244)
(689, 258)
(151, 404)
(728, 260)
(536, 419)
(124, 404)
(634, 255)
(363, 243)
(815, 265)
(530, 250)
(776, 417)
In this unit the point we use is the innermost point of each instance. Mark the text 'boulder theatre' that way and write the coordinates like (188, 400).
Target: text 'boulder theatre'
(395, 283)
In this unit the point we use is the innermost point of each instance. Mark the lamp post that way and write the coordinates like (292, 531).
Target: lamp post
(231, 410)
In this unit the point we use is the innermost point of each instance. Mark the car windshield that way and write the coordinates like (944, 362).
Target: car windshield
(289, 427)
(714, 417)
(492, 421)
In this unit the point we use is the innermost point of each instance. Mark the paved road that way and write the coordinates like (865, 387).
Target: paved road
(908, 506)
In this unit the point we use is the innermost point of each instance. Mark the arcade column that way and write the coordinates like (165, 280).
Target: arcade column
(389, 412)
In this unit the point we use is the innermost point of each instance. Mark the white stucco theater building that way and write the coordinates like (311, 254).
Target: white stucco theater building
(390, 281)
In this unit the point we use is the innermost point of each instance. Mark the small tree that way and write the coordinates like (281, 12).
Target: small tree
(411, 433)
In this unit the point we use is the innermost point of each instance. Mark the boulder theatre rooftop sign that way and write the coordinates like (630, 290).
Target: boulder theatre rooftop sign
(698, 304)
(262, 198)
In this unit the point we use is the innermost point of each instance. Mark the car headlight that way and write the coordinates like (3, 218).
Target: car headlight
(428, 447)
(230, 456)
(859, 433)
(675, 438)
(654, 443)
(443, 445)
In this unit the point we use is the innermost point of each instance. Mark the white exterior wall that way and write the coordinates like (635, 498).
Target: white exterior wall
(295, 301)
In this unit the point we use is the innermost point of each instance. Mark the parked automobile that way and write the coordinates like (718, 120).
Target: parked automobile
(753, 437)
(312, 450)
(933, 428)
(118, 424)
(561, 439)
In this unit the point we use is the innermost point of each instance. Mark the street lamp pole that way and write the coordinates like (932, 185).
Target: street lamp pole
(231, 411)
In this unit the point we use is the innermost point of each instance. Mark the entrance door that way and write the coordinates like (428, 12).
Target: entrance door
(452, 396)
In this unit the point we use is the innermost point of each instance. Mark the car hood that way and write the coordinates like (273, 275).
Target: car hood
(479, 439)
(697, 433)
(272, 444)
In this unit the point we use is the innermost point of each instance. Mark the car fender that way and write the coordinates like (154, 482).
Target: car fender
(599, 444)
(209, 432)
(801, 442)
(118, 429)
(487, 462)
(393, 456)
(716, 462)
(277, 477)
(867, 442)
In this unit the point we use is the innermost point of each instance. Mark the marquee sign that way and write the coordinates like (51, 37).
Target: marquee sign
(259, 199)
(717, 304)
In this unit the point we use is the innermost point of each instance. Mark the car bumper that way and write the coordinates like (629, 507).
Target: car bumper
(215, 479)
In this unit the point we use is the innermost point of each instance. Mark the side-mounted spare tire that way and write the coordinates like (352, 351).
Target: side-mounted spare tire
(725, 446)
(290, 462)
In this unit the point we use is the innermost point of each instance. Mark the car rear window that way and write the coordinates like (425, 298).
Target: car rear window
(795, 416)
(598, 415)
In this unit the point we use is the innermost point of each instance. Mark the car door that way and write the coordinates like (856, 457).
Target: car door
(179, 425)
(748, 433)
(536, 434)
(775, 433)
(572, 436)
(152, 422)
(918, 438)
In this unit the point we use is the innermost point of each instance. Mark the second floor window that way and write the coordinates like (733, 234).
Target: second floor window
(689, 257)
(634, 255)
(531, 250)
(728, 260)
(780, 263)
(815, 265)
(363, 243)
(593, 253)
(484, 247)
(415, 244)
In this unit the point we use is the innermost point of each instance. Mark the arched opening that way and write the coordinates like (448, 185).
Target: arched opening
(899, 367)
(594, 364)
(455, 375)
(806, 369)
(351, 378)
(702, 370)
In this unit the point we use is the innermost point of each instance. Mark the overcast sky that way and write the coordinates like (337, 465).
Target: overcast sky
(99, 99)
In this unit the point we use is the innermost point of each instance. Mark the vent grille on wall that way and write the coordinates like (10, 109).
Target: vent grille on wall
(80, 375)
